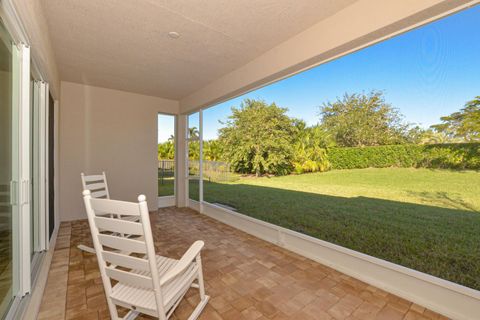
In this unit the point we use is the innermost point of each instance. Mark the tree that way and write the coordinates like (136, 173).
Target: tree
(193, 133)
(194, 150)
(212, 150)
(463, 124)
(431, 136)
(358, 120)
(311, 149)
(258, 138)
(166, 150)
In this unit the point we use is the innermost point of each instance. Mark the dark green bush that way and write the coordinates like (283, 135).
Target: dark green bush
(376, 157)
(451, 156)
(445, 156)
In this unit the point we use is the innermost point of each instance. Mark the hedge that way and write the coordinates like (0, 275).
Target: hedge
(445, 156)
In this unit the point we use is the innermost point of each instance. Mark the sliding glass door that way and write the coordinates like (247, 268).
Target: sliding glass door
(24, 198)
(8, 170)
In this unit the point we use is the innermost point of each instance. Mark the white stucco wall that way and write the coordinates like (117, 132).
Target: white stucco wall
(112, 131)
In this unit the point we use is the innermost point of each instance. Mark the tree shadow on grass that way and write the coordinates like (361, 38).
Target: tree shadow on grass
(439, 241)
(442, 198)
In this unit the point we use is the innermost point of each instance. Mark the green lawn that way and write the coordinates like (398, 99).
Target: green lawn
(165, 186)
(428, 220)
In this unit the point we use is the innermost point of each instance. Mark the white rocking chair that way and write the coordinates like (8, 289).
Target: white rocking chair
(97, 184)
(145, 282)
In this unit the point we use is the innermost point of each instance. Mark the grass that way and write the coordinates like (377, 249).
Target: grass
(166, 186)
(428, 220)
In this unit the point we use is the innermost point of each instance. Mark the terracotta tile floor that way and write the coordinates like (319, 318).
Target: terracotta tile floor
(247, 278)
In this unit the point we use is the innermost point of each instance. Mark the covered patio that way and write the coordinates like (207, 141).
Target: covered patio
(247, 278)
(106, 70)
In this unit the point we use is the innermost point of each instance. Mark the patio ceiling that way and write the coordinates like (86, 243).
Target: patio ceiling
(125, 45)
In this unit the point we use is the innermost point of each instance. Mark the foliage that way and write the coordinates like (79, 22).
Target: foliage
(431, 136)
(363, 120)
(310, 149)
(166, 150)
(375, 157)
(451, 156)
(446, 156)
(464, 124)
(193, 132)
(194, 150)
(212, 150)
(258, 138)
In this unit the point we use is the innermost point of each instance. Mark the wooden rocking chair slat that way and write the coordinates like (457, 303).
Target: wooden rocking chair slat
(125, 261)
(129, 278)
(99, 194)
(119, 225)
(92, 178)
(96, 186)
(122, 243)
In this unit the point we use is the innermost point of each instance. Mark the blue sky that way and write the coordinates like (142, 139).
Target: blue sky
(425, 73)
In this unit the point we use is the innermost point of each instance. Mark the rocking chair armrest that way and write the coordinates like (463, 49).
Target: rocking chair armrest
(184, 262)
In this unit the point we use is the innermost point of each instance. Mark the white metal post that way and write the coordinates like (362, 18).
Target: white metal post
(175, 146)
(56, 165)
(24, 169)
(35, 158)
(200, 181)
(43, 181)
(15, 183)
(187, 160)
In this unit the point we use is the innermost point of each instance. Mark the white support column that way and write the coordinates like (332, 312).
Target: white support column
(200, 181)
(181, 161)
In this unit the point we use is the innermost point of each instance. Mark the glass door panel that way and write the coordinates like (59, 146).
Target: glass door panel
(166, 155)
(8, 161)
(35, 178)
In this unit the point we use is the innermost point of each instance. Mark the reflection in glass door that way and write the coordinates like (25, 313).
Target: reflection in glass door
(8, 161)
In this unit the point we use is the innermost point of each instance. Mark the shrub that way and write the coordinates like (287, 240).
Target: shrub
(310, 166)
(445, 156)
(312, 159)
(376, 157)
(451, 156)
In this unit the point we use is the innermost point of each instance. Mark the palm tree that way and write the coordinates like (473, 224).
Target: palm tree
(193, 132)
